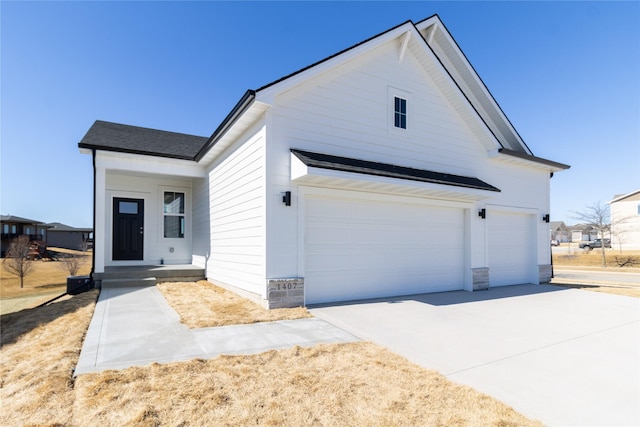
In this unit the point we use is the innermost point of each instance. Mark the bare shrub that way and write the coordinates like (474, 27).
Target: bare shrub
(627, 261)
(17, 260)
(72, 263)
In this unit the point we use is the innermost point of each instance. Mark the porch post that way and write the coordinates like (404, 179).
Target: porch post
(99, 232)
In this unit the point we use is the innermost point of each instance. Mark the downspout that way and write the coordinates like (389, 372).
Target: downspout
(93, 251)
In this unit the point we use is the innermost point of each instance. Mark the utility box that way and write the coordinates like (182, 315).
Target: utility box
(78, 284)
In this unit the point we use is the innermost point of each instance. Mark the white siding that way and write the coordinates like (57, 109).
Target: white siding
(237, 216)
(201, 216)
(625, 220)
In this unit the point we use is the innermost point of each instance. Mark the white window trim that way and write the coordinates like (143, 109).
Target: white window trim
(187, 213)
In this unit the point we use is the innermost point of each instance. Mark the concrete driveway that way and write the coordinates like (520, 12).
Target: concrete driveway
(566, 357)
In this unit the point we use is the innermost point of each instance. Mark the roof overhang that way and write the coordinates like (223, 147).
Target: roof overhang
(323, 170)
(518, 157)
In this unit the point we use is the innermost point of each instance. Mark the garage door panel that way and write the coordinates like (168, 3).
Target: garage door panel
(511, 248)
(363, 249)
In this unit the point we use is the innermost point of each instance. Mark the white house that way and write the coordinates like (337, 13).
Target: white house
(625, 220)
(385, 169)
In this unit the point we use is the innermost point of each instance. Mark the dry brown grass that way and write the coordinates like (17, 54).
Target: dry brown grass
(39, 350)
(580, 258)
(331, 385)
(46, 277)
(202, 304)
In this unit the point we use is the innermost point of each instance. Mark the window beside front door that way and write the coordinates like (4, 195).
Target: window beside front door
(174, 218)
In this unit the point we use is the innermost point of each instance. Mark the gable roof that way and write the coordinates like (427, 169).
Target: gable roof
(345, 164)
(439, 53)
(621, 197)
(557, 225)
(121, 138)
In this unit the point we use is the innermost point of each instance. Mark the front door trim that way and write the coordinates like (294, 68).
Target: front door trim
(127, 229)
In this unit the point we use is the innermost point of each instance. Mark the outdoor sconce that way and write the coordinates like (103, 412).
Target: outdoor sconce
(545, 218)
(286, 198)
(482, 213)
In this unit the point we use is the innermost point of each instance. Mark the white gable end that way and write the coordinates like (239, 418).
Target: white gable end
(347, 111)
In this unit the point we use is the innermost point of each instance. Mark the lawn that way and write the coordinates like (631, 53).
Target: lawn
(338, 384)
(201, 305)
(616, 260)
(47, 280)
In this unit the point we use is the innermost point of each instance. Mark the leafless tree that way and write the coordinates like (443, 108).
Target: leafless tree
(598, 217)
(17, 258)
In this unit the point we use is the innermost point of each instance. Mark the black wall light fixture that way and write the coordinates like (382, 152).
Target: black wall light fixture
(482, 213)
(545, 218)
(286, 198)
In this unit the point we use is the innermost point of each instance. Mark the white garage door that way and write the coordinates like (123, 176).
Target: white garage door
(511, 248)
(362, 249)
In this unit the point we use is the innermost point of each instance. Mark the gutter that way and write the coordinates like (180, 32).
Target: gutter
(238, 110)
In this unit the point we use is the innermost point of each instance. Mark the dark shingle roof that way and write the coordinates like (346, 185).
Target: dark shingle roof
(345, 164)
(57, 226)
(17, 219)
(137, 140)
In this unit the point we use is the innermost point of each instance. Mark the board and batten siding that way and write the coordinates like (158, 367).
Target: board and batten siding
(237, 216)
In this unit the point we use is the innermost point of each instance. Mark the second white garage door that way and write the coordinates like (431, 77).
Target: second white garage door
(511, 248)
(365, 249)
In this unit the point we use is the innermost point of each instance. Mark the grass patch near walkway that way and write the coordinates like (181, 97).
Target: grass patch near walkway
(39, 350)
(338, 384)
(202, 304)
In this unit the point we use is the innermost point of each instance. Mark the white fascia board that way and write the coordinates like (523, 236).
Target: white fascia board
(86, 151)
(505, 158)
(481, 94)
(268, 94)
(373, 183)
(136, 163)
(243, 124)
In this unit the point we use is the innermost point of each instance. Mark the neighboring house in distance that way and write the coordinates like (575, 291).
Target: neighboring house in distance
(559, 231)
(625, 220)
(385, 169)
(582, 233)
(65, 236)
(15, 226)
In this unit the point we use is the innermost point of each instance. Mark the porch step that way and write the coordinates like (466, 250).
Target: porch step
(129, 283)
(163, 273)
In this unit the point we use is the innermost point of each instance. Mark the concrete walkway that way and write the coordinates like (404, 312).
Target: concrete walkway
(136, 327)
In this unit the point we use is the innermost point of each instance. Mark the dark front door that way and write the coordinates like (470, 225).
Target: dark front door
(128, 229)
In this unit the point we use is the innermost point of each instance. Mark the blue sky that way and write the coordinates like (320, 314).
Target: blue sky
(567, 74)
